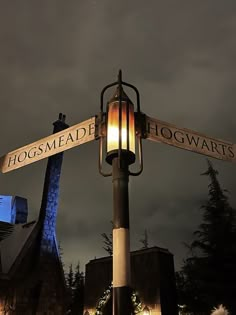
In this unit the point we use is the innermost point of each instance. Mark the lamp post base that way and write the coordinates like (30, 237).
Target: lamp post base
(121, 301)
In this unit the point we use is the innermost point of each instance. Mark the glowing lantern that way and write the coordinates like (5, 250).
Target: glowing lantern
(120, 127)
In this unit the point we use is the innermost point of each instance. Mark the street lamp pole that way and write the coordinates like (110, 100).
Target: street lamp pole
(121, 238)
(117, 126)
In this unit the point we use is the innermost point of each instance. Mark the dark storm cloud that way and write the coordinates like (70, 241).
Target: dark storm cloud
(56, 56)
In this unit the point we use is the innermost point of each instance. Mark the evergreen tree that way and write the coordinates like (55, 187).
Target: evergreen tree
(70, 278)
(70, 288)
(144, 241)
(208, 276)
(78, 293)
(107, 241)
(75, 285)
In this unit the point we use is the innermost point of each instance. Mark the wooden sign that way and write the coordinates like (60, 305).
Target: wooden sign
(163, 132)
(53, 144)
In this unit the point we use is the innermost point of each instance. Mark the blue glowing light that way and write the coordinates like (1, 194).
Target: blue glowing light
(6, 208)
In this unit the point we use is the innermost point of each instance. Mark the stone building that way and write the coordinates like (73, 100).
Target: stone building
(152, 278)
(31, 274)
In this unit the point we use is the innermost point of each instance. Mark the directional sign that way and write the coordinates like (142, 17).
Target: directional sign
(53, 144)
(187, 139)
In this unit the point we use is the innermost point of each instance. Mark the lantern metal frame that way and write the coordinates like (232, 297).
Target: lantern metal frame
(102, 126)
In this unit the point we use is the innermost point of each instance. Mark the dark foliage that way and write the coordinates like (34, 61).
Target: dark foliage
(107, 241)
(70, 278)
(208, 275)
(144, 240)
(75, 284)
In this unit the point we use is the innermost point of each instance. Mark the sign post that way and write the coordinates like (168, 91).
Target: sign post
(53, 144)
(160, 131)
(123, 131)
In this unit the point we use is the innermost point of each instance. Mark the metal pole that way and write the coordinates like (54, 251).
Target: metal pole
(121, 241)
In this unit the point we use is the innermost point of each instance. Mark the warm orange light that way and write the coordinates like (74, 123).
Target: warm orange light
(146, 311)
(113, 127)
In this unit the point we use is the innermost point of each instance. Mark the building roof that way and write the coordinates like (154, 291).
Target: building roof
(5, 230)
(13, 242)
(134, 253)
(152, 277)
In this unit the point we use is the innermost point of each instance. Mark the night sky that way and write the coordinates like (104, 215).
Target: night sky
(56, 56)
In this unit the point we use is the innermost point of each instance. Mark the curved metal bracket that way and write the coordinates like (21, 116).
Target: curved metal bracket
(102, 94)
(100, 135)
(101, 159)
(120, 82)
(140, 147)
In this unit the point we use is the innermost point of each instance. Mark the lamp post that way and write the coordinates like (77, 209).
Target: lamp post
(119, 126)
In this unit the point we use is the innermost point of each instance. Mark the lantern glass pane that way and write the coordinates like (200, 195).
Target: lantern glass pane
(131, 128)
(113, 127)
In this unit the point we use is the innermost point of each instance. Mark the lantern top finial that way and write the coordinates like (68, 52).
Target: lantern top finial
(120, 94)
(120, 76)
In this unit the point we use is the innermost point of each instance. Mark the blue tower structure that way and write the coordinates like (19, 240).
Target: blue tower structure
(49, 264)
(50, 198)
(31, 274)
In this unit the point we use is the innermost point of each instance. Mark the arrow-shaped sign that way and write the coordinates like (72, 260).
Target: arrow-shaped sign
(187, 139)
(53, 144)
(83, 132)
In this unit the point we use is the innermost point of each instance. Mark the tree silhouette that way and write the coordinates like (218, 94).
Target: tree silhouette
(107, 241)
(208, 276)
(75, 285)
(70, 279)
(144, 241)
(78, 295)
